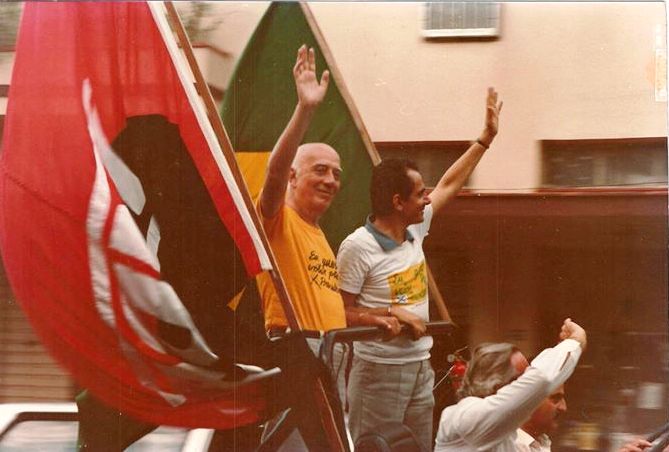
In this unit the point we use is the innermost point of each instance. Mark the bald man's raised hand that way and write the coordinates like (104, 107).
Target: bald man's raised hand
(310, 92)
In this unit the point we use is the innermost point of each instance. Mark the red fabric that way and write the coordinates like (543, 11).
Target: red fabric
(47, 170)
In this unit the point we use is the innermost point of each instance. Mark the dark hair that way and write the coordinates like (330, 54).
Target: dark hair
(390, 178)
(489, 369)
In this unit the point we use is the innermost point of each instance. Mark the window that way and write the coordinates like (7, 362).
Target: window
(600, 163)
(10, 12)
(431, 157)
(461, 19)
(58, 432)
(37, 435)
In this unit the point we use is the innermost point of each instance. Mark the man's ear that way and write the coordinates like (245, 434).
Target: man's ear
(398, 204)
(292, 177)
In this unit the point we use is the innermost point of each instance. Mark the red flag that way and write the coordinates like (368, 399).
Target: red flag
(122, 231)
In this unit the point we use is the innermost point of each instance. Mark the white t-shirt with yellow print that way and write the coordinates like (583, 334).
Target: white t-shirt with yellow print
(386, 273)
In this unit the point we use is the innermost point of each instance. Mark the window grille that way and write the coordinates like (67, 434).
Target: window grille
(461, 19)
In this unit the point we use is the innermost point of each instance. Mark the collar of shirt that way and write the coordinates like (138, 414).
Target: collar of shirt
(541, 444)
(385, 242)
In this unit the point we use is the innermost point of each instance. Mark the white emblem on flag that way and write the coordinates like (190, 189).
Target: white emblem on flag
(121, 258)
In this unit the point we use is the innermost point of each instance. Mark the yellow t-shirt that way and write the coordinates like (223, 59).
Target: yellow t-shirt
(309, 270)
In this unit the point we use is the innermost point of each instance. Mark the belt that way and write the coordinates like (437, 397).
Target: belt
(281, 331)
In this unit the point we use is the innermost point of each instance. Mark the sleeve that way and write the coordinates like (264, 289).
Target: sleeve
(488, 421)
(352, 266)
(269, 224)
(485, 422)
(559, 362)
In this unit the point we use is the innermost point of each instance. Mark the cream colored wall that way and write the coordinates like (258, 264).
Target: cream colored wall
(6, 65)
(216, 68)
(564, 70)
(238, 20)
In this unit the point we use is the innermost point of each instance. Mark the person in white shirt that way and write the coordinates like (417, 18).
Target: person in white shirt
(382, 272)
(533, 436)
(500, 391)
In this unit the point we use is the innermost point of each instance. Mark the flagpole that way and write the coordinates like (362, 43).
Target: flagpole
(229, 154)
(339, 79)
(436, 296)
(329, 424)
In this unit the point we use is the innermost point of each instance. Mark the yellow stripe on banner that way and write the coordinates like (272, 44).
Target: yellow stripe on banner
(232, 304)
(253, 166)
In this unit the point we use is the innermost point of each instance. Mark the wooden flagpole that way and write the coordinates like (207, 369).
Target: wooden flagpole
(328, 419)
(339, 80)
(229, 154)
(436, 296)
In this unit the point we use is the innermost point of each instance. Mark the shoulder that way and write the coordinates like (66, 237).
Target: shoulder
(455, 412)
(270, 223)
(355, 253)
(358, 239)
(452, 417)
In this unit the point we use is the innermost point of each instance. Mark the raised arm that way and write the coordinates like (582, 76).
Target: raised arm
(493, 417)
(455, 177)
(310, 94)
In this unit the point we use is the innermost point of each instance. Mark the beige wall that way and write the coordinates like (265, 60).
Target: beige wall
(6, 65)
(216, 68)
(564, 70)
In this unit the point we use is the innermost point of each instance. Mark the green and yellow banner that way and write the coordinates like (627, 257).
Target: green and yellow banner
(261, 98)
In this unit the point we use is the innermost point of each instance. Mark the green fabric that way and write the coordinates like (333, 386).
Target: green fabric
(261, 98)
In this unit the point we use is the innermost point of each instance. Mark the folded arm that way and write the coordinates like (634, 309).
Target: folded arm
(359, 316)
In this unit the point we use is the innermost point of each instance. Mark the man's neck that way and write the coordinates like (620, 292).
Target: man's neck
(392, 227)
(307, 215)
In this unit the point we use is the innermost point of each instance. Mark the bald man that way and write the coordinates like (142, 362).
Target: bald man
(302, 180)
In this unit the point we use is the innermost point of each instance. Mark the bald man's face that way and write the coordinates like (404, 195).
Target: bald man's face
(315, 176)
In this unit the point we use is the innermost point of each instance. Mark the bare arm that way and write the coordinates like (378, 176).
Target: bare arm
(310, 94)
(359, 316)
(455, 177)
(390, 318)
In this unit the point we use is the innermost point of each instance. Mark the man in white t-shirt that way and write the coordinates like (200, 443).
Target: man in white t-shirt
(382, 271)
